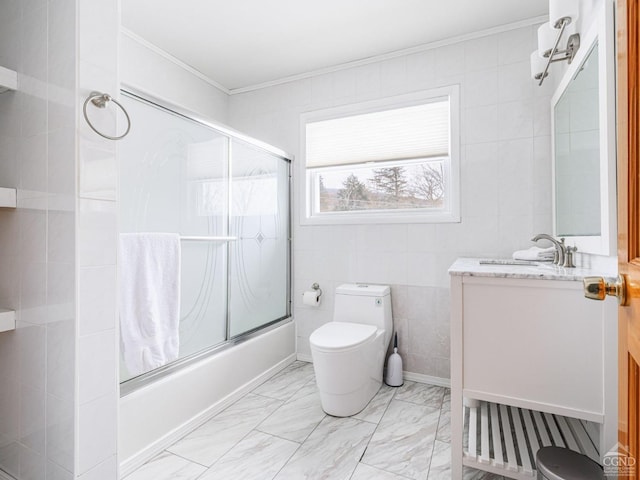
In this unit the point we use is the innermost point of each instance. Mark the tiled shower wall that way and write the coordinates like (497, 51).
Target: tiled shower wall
(505, 182)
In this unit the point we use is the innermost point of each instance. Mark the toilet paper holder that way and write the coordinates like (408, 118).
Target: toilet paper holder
(316, 287)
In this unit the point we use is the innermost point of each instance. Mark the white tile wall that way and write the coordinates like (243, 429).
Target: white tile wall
(54, 472)
(96, 228)
(61, 276)
(60, 354)
(97, 289)
(48, 247)
(60, 432)
(107, 469)
(97, 431)
(37, 377)
(505, 170)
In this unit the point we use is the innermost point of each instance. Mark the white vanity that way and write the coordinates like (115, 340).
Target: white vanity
(536, 363)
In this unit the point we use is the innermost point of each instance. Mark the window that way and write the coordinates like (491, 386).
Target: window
(394, 160)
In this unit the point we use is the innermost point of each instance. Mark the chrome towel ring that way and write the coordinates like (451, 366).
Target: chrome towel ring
(101, 100)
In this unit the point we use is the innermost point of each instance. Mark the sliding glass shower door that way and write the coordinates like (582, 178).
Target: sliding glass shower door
(228, 199)
(260, 222)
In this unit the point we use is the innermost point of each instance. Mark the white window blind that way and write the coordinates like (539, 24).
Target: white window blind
(418, 131)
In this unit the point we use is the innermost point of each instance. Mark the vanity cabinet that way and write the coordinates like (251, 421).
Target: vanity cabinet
(535, 362)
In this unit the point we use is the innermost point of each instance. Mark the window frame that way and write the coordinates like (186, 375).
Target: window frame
(448, 214)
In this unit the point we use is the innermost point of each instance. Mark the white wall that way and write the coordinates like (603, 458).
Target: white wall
(37, 240)
(58, 401)
(96, 406)
(506, 181)
(154, 72)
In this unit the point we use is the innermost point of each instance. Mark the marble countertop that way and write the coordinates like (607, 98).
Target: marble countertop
(541, 271)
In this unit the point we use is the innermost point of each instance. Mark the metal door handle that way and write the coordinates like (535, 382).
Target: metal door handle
(597, 288)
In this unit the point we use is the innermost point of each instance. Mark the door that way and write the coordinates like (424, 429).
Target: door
(628, 230)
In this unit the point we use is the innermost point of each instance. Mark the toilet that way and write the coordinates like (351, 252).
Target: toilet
(348, 353)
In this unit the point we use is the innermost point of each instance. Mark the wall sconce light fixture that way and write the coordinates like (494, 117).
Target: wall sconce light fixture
(562, 17)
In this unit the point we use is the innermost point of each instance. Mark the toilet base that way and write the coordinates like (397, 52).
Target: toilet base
(348, 380)
(348, 404)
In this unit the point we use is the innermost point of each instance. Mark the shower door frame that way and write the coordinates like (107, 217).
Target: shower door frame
(138, 382)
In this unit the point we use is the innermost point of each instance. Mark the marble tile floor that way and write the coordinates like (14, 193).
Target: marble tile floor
(279, 431)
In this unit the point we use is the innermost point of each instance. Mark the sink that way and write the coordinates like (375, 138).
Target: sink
(506, 261)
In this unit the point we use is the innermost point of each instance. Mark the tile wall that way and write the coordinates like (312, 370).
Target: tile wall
(505, 183)
(58, 395)
(37, 243)
(96, 407)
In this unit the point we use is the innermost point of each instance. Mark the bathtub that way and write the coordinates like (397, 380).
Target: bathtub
(154, 417)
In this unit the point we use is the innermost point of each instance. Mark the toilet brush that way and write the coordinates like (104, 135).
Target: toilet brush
(394, 366)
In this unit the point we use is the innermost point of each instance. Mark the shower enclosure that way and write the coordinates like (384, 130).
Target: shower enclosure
(228, 197)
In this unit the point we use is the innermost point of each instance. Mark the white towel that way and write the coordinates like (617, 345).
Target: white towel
(535, 254)
(149, 269)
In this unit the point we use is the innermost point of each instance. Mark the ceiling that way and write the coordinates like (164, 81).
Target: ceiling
(242, 43)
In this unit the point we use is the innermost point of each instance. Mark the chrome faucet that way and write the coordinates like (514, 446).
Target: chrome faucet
(561, 249)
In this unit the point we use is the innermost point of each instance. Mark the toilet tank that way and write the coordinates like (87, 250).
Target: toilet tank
(367, 304)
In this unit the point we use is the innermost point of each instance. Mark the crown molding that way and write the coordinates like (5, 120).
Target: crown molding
(343, 66)
(167, 56)
(398, 53)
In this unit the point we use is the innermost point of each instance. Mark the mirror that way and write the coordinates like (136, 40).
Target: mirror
(577, 154)
(583, 132)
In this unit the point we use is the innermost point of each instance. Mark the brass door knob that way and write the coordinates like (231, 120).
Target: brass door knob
(597, 288)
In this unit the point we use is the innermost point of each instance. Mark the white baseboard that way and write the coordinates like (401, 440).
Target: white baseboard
(412, 377)
(136, 461)
(303, 357)
(428, 379)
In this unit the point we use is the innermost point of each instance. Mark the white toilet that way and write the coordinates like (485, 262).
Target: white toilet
(348, 353)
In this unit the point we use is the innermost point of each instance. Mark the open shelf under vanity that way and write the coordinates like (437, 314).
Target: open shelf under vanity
(536, 364)
(504, 440)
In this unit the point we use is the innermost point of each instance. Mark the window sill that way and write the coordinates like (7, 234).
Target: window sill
(355, 219)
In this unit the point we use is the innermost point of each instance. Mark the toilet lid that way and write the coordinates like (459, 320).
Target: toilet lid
(337, 336)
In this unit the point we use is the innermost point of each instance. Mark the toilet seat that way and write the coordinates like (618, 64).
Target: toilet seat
(341, 336)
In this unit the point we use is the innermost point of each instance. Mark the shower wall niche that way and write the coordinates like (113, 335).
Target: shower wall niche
(227, 196)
